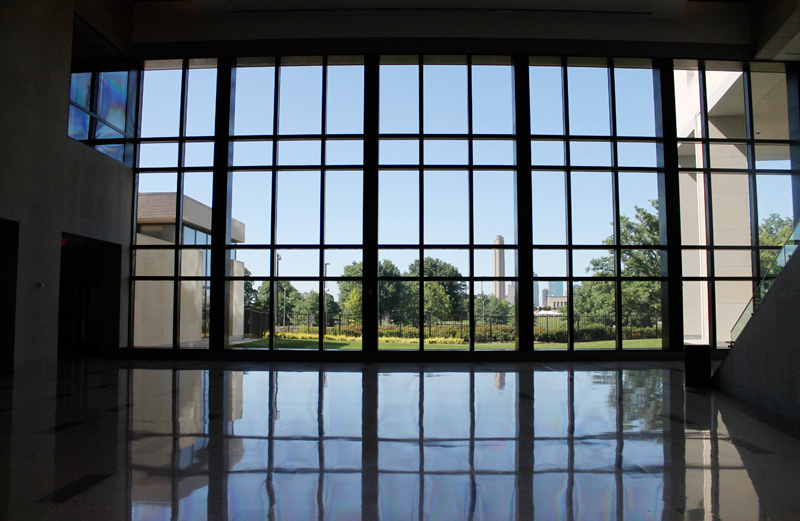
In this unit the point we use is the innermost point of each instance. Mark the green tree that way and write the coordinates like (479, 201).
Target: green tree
(250, 293)
(438, 303)
(638, 297)
(456, 290)
(394, 296)
(773, 231)
(263, 298)
(487, 305)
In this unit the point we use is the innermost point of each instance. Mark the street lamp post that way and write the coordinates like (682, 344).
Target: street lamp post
(325, 297)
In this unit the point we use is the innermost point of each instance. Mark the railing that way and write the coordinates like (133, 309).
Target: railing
(488, 328)
(763, 287)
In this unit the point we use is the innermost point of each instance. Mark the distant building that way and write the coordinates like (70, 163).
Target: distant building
(499, 268)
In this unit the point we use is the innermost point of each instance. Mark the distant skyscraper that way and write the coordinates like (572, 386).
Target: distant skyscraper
(556, 288)
(499, 268)
(535, 292)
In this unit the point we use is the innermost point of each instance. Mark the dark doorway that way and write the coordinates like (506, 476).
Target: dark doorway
(9, 253)
(89, 293)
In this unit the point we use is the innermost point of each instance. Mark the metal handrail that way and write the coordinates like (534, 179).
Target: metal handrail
(784, 254)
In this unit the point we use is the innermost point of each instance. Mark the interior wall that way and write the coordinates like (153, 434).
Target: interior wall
(764, 365)
(50, 183)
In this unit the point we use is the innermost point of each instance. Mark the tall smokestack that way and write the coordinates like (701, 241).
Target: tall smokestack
(499, 268)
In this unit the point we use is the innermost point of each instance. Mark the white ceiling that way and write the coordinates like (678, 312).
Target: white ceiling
(669, 9)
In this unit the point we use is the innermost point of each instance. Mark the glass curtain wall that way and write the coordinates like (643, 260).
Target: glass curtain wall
(736, 195)
(393, 190)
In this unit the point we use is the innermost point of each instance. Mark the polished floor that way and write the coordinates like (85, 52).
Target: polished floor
(101, 440)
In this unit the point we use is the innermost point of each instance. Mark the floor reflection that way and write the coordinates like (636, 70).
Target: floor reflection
(549, 444)
(107, 440)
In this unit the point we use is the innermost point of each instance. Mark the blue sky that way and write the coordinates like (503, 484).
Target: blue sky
(444, 99)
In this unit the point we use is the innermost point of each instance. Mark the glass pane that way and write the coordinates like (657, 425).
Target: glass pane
(446, 326)
(113, 151)
(298, 197)
(732, 297)
(695, 313)
(550, 315)
(161, 103)
(398, 312)
(78, 124)
(549, 263)
(450, 264)
(154, 263)
(197, 203)
(398, 263)
(199, 154)
(725, 104)
(773, 157)
(592, 208)
(444, 98)
(298, 263)
(638, 208)
(155, 209)
(201, 101)
(195, 322)
(694, 263)
(251, 206)
(254, 109)
(344, 152)
(342, 263)
(690, 155)
(641, 315)
(770, 106)
(775, 210)
(635, 102)
(590, 153)
(594, 304)
(80, 88)
(731, 209)
(152, 313)
(492, 99)
(446, 208)
(732, 155)
(693, 209)
(687, 103)
(446, 152)
(299, 153)
(547, 153)
(344, 312)
(593, 263)
(103, 131)
(588, 101)
(493, 152)
(252, 153)
(256, 262)
(300, 100)
(399, 99)
(496, 262)
(733, 263)
(547, 100)
(493, 203)
(344, 209)
(345, 105)
(549, 208)
(399, 152)
(301, 307)
(158, 155)
(637, 154)
(195, 262)
(398, 223)
(112, 97)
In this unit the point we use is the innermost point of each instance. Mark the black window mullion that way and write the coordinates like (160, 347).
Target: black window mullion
(322, 271)
(669, 206)
(370, 268)
(568, 207)
(751, 176)
(275, 264)
(421, 284)
(612, 101)
(711, 288)
(471, 203)
(219, 336)
(524, 215)
(176, 287)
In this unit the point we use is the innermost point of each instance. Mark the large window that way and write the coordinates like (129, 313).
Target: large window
(461, 203)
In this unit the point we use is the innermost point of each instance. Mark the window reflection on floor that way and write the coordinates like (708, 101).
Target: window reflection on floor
(549, 444)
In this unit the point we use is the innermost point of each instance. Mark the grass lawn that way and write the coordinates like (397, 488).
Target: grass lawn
(288, 343)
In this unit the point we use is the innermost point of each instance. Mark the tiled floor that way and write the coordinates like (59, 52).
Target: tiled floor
(172, 441)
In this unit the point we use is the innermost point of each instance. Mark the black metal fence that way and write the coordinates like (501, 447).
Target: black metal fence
(487, 328)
